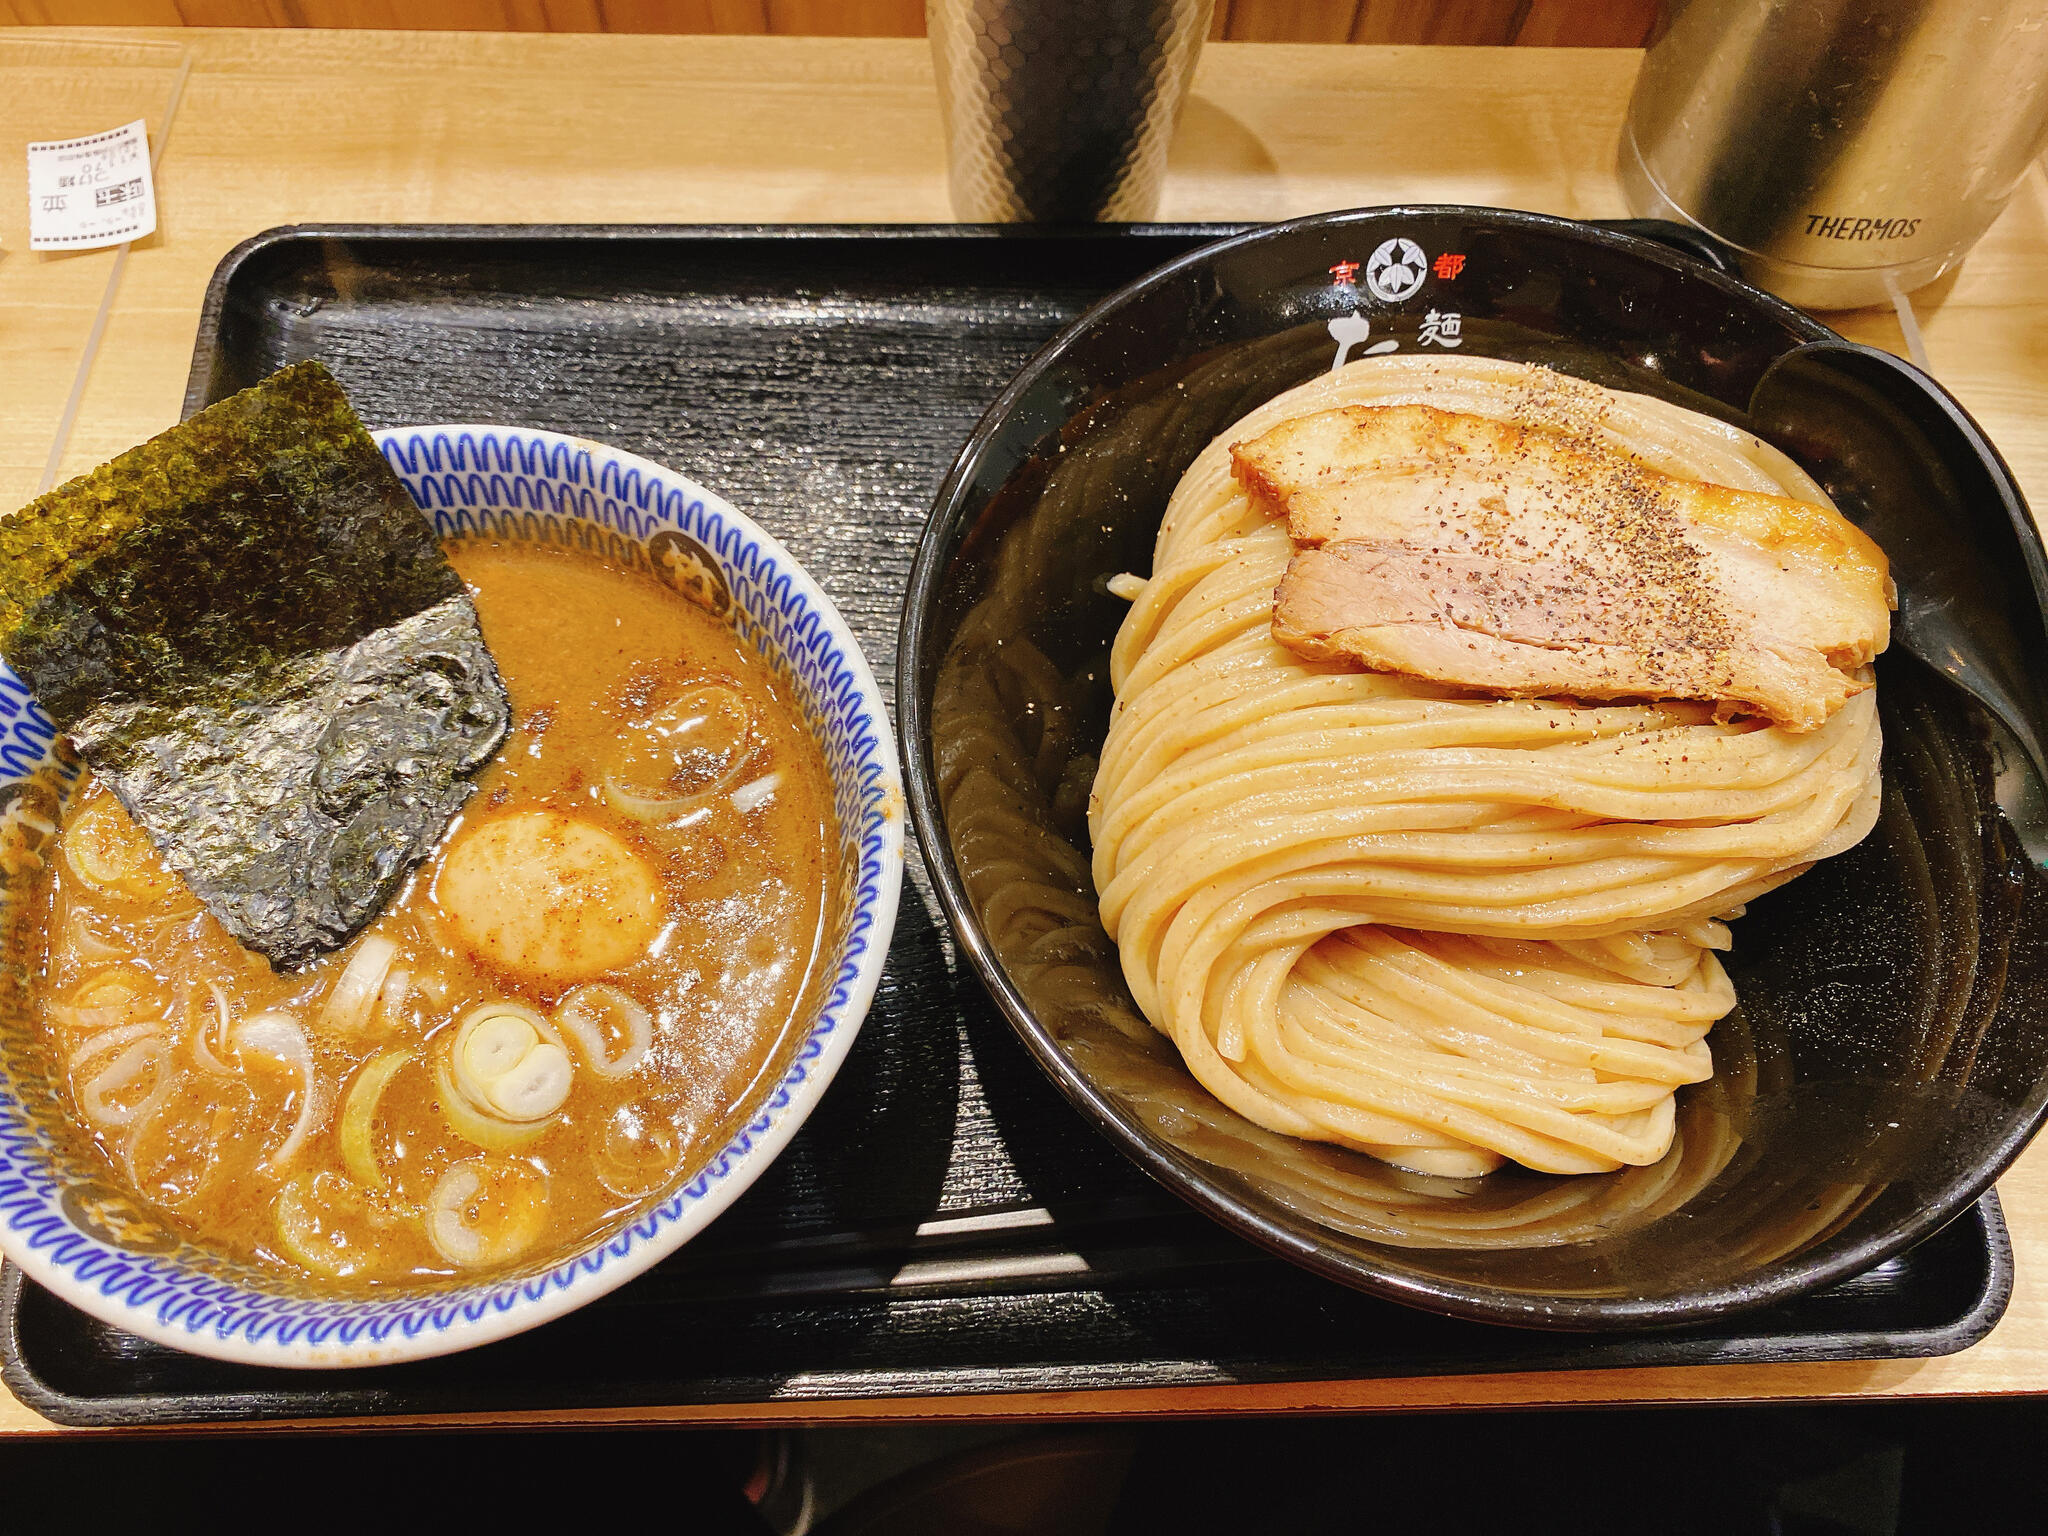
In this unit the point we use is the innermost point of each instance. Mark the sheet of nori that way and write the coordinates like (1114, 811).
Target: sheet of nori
(250, 632)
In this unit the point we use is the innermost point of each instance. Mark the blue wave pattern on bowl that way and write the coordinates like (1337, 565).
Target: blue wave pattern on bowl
(508, 483)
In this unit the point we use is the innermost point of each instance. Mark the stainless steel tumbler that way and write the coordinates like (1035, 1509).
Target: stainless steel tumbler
(1061, 110)
(1847, 150)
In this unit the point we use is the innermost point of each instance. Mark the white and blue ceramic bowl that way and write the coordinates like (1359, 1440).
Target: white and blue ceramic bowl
(71, 1230)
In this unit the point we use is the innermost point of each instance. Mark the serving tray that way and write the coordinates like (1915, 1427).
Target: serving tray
(944, 1224)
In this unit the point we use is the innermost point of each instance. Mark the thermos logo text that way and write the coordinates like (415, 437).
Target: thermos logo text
(1825, 227)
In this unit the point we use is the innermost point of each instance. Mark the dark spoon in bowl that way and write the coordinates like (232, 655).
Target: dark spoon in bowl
(1906, 462)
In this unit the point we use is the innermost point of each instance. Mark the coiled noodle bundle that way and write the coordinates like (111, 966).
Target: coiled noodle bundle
(1442, 929)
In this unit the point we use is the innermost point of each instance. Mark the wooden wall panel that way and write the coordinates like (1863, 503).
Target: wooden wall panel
(729, 16)
(1568, 23)
(243, 13)
(95, 13)
(403, 15)
(1576, 24)
(1291, 21)
(1445, 21)
(846, 18)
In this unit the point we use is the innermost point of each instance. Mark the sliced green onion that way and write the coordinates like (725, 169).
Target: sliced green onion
(359, 1117)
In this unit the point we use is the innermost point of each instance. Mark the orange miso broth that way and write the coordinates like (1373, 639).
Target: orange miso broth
(566, 1009)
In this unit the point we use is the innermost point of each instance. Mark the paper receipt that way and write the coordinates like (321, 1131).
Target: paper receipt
(92, 191)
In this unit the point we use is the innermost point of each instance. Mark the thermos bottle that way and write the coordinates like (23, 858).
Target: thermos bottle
(1847, 151)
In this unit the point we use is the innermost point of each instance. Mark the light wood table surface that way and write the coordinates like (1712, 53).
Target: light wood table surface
(281, 127)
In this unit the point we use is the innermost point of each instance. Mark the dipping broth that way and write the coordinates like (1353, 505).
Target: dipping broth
(564, 1011)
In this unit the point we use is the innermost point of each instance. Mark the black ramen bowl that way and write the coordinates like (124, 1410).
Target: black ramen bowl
(1889, 1056)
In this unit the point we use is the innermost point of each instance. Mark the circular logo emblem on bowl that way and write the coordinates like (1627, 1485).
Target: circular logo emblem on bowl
(115, 1218)
(688, 566)
(1396, 269)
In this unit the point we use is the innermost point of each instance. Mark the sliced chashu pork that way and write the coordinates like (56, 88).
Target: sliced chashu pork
(1525, 561)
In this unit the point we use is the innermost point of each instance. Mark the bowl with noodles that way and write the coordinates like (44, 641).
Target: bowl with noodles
(1399, 713)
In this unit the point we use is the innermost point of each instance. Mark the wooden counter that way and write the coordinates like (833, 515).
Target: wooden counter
(283, 127)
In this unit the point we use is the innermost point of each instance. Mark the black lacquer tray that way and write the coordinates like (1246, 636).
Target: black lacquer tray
(945, 1223)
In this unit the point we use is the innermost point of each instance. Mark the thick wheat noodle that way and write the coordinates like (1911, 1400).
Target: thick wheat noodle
(1441, 929)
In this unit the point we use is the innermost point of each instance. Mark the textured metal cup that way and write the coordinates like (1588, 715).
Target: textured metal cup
(1847, 150)
(1060, 111)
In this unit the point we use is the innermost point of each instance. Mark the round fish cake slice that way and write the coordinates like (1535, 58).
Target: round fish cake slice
(549, 896)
